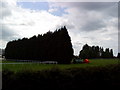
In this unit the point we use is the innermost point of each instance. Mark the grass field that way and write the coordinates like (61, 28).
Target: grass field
(21, 66)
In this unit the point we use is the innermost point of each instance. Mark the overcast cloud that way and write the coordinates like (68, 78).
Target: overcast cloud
(89, 22)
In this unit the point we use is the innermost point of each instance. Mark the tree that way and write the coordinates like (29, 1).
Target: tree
(108, 53)
(118, 56)
(51, 46)
(95, 52)
(101, 52)
(111, 53)
(85, 52)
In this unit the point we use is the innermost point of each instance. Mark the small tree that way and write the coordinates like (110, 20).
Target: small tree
(118, 56)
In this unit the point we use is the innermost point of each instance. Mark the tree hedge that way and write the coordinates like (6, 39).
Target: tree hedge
(51, 46)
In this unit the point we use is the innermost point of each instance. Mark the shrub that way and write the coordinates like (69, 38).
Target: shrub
(82, 78)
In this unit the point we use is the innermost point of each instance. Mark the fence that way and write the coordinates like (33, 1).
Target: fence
(34, 61)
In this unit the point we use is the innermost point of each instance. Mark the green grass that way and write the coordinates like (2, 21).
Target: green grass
(37, 67)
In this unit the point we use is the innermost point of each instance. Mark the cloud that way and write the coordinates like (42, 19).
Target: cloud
(4, 10)
(52, 10)
(22, 22)
(92, 23)
(8, 34)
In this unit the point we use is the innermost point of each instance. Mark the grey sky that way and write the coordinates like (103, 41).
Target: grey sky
(95, 23)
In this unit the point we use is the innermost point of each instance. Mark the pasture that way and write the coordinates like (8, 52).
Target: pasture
(29, 66)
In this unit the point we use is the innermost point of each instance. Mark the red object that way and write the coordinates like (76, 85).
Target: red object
(86, 61)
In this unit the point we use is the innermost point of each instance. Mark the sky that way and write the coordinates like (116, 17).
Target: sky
(92, 23)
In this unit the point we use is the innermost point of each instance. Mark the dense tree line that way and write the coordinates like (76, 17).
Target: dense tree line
(95, 52)
(51, 46)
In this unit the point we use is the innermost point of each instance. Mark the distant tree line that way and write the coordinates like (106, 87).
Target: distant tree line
(95, 52)
(51, 46)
